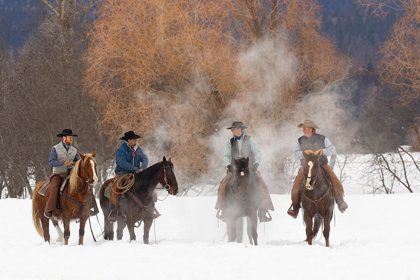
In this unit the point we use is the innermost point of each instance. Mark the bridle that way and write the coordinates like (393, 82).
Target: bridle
(165, 178)
(309, 177)
(84, 167)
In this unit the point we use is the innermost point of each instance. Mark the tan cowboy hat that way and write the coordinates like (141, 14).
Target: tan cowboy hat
(308, 123)
(237, 124)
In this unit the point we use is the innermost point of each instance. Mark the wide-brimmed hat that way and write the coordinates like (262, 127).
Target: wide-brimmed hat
(308, 123)
(130, 135)
(66, 132)
(237, 124)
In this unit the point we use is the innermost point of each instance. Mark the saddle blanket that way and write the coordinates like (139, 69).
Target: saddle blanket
(43, 190)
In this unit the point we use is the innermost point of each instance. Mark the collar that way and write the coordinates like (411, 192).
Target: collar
(239, 137)
(135, 146)
(65, 145)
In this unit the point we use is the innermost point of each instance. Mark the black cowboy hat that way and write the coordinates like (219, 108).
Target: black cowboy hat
(129, 135)
(66, 132)
(237, 124)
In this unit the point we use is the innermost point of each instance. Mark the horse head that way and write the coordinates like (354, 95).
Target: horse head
(242, 173)
(168, 180)
(85, 170)
(311, 167)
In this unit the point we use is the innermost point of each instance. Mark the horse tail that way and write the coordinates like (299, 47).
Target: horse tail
(317, 225)
(35, 210)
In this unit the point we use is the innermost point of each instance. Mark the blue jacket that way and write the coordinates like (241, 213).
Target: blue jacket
(126, 163)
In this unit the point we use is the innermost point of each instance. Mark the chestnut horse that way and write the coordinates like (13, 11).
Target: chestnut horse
(137, 204)
(241, 200)
(317, 197)
(75, 201)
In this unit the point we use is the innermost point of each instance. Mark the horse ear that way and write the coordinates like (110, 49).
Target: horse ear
(170, 159)
(247, 159)
(81, 155)
(318, 152)
(164, 159)
(308, 152)
(94, 153)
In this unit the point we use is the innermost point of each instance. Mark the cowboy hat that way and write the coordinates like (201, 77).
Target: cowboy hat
(66, 132)
(129, 135)
(308, 123)
(237, 124)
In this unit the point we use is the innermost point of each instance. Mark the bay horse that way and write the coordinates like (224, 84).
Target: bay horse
(75, 201)
(241, 200)
(137, 204)
(317, 197)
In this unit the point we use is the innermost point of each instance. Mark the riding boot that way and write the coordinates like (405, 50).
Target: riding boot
(155, 213)
(221, 194)
(293, 210)
(338, 188)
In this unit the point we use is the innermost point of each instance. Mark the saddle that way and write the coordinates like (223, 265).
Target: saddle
(43, 189)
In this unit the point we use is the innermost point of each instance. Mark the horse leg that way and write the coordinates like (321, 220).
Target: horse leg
(59, 231)
(327, 220)
(254, 225)
(82, 230)
(308, 222)
(147, 225)
(130, 226)
(249, 230)
(66, 222)
(109, 229)
(46, 228)
(120, 228)
(231, 230)
(240, 230)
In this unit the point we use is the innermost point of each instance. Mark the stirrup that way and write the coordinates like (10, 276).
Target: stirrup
(293, 212)
(112, 216)
(264, 218)
(219, 215)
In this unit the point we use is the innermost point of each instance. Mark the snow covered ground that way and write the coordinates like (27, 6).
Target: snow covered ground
(375, 239)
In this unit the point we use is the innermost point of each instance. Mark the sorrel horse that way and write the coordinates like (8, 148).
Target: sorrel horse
(138, 204)
(241, 200)
(75, 201)
(317, 197)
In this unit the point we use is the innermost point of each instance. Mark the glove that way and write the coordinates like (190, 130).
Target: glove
(255, 167)
(139, 170)
(230, 168)
(67, 163)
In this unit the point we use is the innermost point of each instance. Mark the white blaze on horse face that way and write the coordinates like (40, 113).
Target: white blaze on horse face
(308, 180)
(95, 177)
(242, 173)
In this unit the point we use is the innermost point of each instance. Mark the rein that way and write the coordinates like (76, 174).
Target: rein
(316, 201)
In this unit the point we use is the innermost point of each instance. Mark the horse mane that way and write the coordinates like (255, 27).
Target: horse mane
(74, 174)
(148, 174)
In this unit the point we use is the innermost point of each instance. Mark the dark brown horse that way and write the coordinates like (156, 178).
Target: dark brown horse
(317, 197)
(138, 204)
(75, 201)
(241, 200)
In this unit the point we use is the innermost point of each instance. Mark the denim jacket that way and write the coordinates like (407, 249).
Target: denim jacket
(126, 163)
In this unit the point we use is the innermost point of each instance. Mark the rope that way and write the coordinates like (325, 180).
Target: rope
(126, 188)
